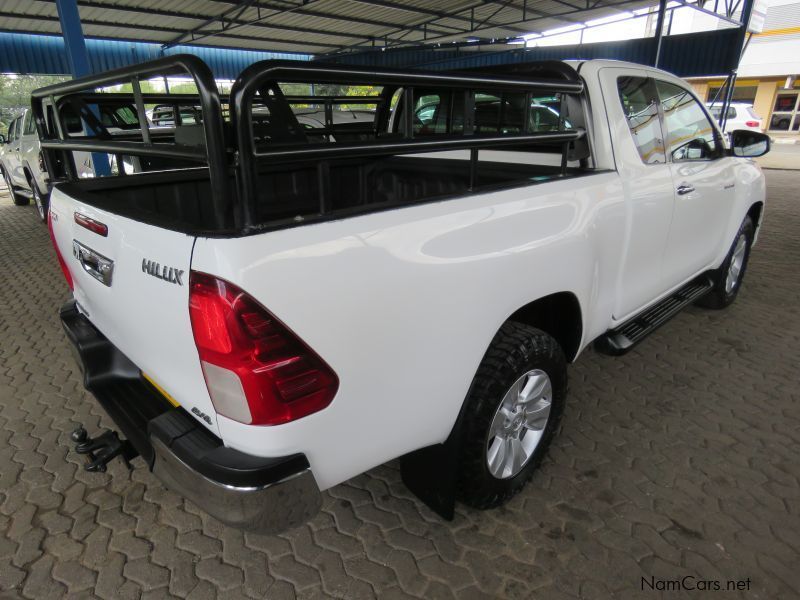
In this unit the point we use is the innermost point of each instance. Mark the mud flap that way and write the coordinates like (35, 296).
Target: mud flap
(432, 473)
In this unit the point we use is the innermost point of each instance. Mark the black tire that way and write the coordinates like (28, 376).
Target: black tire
(719, 297)
(42, 202)
(515, 350)
(18, 200)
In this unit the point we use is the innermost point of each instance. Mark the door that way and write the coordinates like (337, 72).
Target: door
(633, 115)
(11, 157)
(29, 148)
(704, 182)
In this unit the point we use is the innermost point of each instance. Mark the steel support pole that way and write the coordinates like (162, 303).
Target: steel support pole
(662, 11)
(736, 57)
(78, 58)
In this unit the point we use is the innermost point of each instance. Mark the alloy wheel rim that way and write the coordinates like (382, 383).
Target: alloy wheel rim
(37, 200)
(737, 263)
(518, 424)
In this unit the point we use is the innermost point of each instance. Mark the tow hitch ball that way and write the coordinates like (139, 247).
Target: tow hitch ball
(101, 450)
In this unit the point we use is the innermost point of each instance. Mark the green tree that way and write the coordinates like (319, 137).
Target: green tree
(15, 93)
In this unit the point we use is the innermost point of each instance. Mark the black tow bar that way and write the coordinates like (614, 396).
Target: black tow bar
(102, 449)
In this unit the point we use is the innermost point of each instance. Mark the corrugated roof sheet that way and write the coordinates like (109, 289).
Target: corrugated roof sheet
(697, 54)
(44, 54)
(313, 26)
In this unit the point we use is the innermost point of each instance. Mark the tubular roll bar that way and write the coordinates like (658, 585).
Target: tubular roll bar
(409, 146)
(293, 99)
(239, 211)
(214, 154)
(126, 148)
(262, 74)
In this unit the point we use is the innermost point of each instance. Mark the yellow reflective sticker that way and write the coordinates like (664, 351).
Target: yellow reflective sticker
(163, 392)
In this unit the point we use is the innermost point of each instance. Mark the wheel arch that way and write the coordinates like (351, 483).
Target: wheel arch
(755, 211)
(430, 472)
(29, 177)
(557, 314)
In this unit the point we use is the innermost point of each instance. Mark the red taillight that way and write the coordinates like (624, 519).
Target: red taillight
(752, 123)
(92, 225)
(257, 371)
(64, 269)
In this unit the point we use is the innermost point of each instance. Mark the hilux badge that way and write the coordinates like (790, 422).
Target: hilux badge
(169, 274)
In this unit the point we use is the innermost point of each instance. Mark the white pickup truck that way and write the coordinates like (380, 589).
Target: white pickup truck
(268, 308)
(21, 164)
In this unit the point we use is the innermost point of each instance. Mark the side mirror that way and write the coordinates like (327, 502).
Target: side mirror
(749, 144)
(694, 149)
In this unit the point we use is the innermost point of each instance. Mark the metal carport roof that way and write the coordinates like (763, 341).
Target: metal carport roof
(310, 26)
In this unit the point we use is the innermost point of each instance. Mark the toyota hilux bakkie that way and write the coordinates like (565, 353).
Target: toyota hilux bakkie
(267, 305)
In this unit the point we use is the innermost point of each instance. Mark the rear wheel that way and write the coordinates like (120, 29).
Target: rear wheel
(511, 414)
(18, 200)
(42, 202)
(728, 278)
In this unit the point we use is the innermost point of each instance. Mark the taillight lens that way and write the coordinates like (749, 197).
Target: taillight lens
(257, 371)
(64, 268)
(752, 123)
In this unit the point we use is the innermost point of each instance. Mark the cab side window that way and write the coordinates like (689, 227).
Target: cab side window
(13, 130)
(640, 105)
(30, 124)
(690, 133)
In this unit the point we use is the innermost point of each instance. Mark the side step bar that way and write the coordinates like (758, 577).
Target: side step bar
(620, 340)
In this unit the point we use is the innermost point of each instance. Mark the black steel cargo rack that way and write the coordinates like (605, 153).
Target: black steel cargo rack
(230, 151)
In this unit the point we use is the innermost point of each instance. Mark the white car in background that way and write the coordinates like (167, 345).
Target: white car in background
(21, 165)
(740, 116)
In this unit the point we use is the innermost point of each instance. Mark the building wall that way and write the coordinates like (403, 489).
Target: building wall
(765, 96)
(701, 89)
(771, 57)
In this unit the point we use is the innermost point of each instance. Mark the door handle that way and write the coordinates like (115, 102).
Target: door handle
(96, 265)
(685, 188)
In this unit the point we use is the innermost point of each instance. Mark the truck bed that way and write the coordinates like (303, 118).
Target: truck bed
(179, 200)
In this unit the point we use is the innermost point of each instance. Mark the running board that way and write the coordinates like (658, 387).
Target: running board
(24, 193)
(620, 340)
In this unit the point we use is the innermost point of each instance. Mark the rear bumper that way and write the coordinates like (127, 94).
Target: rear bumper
(259, 494)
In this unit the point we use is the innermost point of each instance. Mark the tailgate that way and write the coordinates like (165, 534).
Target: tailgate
(133, 285)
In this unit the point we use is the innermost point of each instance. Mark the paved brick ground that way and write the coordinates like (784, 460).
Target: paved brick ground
(682, 458)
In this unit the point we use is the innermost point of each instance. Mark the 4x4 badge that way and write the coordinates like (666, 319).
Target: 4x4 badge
(169, 274)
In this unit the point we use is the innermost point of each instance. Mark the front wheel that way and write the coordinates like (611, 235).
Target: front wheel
(728, 278)
(511, 414)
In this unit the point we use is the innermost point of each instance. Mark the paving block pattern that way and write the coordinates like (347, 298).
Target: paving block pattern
(681, 458)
